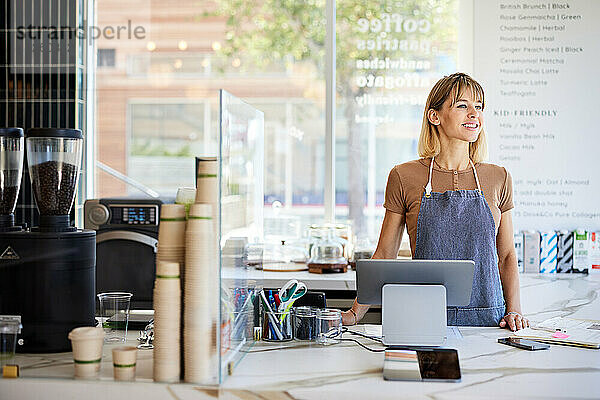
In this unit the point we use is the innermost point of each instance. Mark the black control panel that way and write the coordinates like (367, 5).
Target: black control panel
(133, 215)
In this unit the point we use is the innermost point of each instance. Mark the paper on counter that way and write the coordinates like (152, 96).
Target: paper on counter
(579, 332)
(373, 330)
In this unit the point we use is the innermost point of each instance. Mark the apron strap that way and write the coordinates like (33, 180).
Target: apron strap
(428, 187)
(476, 177)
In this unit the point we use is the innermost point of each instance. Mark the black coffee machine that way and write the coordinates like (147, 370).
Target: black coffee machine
(47, 273)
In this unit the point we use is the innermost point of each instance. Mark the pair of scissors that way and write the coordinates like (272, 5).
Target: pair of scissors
(289, 293)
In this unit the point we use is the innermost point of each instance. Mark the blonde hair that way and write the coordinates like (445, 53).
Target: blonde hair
(450, 87)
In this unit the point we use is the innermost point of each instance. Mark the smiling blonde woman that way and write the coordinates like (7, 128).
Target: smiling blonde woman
(456, 207)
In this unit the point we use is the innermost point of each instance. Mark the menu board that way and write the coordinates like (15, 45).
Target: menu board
(537, 63)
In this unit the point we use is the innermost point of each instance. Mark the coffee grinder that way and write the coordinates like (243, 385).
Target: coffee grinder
(47, 273)
(11, 169)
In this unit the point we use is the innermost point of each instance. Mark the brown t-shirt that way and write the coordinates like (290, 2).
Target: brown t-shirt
(406, 184)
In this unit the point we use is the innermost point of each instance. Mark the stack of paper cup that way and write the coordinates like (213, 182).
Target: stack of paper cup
(124, 361)
(86, 343)
(171, 233)
(207, 186)
(167, 322)
(201, 291)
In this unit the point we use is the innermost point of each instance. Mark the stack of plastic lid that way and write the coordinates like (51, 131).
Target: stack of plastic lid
(201, 291)
(171, 233)
(167, 322)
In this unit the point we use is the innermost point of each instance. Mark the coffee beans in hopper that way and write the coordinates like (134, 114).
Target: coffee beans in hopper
(8, 197)
(54, 186)
(9, 190)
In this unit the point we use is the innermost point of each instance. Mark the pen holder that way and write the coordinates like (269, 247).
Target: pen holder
(305, 323)
(277, 326)
(242, 325)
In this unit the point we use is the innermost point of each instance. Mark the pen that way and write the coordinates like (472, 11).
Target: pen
(277, 301)
(563, 330)
(272, 302)
(235, 298)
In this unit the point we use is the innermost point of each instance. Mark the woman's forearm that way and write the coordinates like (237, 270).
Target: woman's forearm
(392, 229)
(509, 276)
(361, 309)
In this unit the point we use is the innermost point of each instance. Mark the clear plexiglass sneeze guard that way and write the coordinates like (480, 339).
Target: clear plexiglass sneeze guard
(239, 221)
(241, 194)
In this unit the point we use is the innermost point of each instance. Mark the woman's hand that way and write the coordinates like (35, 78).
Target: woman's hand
(514, 321)
(349, 318)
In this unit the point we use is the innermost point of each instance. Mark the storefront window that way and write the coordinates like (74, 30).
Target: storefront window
(158, 104)
(164, 138)
(389, 55)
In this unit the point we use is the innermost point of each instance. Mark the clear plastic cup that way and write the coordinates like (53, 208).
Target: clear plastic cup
(329, 326)
(10, 327)
(114, 315)
(186, 196)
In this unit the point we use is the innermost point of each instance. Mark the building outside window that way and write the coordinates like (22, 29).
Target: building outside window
(158, 104)
(106, 58)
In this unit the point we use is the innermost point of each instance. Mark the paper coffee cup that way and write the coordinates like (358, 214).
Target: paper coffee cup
(171, 233)
(172, 212)
(87, 343)
(201, 210)
(124, 361)
(167, 269)
(208, 190)
(167, 372)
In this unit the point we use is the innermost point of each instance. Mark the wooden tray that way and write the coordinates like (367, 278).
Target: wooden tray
(327, 268)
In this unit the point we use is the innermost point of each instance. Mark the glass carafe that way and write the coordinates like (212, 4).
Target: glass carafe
(11, 170)
(327, 255)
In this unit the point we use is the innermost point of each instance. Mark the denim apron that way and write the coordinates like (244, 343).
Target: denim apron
(458, 225)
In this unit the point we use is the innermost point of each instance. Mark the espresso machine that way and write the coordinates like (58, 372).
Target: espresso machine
(47, 273)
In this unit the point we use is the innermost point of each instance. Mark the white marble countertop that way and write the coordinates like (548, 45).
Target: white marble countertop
(298, 370)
